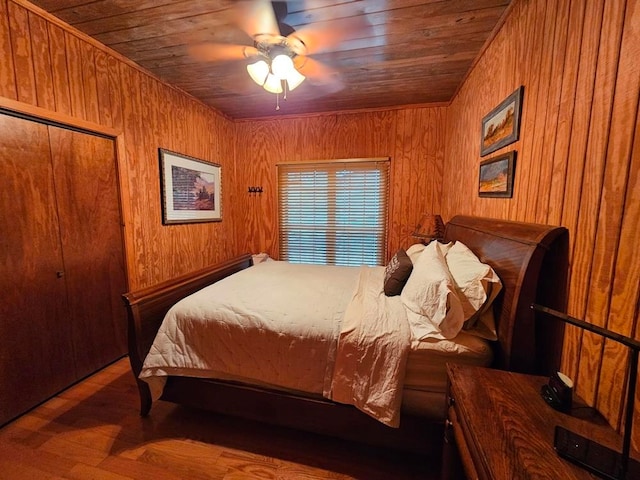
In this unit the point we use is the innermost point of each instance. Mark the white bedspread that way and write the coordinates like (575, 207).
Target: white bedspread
(280, 324)
(275, 323)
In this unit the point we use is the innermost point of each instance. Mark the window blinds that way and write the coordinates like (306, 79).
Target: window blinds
(334, 213)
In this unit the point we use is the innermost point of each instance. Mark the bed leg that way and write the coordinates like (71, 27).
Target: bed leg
(145, 398)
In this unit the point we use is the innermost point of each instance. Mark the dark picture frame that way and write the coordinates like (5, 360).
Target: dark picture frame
(501, 126)
(190, 188)
(496, 176)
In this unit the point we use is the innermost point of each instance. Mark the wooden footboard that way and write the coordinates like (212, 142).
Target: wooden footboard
(146, 309)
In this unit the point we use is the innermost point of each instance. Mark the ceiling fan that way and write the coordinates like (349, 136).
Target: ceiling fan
(279, 58)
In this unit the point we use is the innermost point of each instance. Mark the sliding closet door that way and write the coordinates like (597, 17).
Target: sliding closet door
(36, 352)
(84, 170)
(62, 260)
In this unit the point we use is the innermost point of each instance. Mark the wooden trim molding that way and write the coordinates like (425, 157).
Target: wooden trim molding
(56, 118)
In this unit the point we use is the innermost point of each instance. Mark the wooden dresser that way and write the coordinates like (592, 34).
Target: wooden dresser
(499, 427)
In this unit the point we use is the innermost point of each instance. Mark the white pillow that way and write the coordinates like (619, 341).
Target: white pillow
(433, 307)
(416, 249)
(479, 285)
(414, 252)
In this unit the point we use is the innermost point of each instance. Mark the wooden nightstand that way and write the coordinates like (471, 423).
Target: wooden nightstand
(499, 427)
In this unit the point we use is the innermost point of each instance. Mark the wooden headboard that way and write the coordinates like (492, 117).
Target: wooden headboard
(532, 263)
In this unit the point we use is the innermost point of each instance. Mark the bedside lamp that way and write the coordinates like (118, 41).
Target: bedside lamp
(430, 227)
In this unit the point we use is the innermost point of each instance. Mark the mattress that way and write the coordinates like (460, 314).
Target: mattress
(425, 382)
(426, 365)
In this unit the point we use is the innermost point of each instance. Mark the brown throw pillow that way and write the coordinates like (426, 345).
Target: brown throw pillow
(397, 273)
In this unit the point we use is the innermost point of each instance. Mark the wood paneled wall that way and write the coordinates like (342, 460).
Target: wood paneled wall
(578, 163)
(50, 65)
(577, 166)
(412, 138)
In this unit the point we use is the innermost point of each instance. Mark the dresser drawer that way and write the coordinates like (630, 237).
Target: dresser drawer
(463, 446)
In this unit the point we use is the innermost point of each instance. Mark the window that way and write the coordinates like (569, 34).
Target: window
(334, 213)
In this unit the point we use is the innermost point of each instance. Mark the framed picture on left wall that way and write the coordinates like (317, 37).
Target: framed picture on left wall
(190, 188)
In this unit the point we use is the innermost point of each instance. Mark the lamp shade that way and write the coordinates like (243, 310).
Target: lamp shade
(258, 71)
(430, 226)
(273, 84)
(281, 66)
(294, 79)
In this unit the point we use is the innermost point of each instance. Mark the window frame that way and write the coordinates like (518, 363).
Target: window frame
(331, 228)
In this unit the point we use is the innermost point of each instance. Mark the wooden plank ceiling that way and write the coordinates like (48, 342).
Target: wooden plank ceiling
(360, 54)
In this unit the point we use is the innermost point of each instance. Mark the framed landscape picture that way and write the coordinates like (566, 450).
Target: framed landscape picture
(496, 176)
(191, 190)
(501, 126)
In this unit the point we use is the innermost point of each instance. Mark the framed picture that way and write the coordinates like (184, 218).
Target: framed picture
(496, 176)
(190, 189)
(501, 126)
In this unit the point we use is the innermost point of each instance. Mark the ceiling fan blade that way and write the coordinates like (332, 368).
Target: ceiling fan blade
(317, 72)
(256, 17)
(326, 36)
(328, 88)
(219, 52)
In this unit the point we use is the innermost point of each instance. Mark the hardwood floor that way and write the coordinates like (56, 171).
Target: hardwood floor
(93, 431)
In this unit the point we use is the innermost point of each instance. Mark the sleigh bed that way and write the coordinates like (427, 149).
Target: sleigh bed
(531, 262)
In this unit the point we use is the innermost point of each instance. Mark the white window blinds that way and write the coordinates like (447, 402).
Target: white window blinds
(334, 213)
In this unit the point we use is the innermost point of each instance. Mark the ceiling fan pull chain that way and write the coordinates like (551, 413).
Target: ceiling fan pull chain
(277, 101)
(284, 87)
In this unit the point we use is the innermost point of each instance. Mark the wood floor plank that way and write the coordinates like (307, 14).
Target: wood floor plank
(248, 464)
(179, 462)
(25, 472)
(87, 472)
(26, 461)
(73, 451)
(136, 470)
(92, 431)
(27, 438)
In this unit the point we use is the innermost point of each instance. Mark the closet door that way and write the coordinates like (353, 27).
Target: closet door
(85, 176)
(36, 352)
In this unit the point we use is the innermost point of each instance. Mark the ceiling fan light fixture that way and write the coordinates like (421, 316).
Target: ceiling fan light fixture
(258, 71)
(273, 84)
(277, 65)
